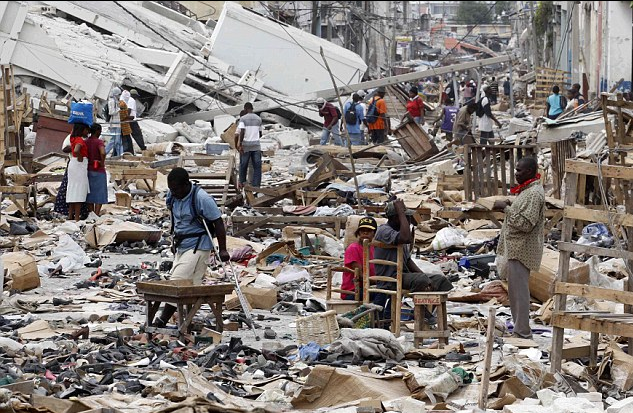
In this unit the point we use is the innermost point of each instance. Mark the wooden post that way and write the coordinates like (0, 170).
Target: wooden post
(485, 377)
(349, 142)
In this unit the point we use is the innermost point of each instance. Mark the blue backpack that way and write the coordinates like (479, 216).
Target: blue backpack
(372, 112)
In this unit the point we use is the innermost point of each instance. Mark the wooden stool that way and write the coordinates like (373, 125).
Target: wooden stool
(188, 300)
(421, 329)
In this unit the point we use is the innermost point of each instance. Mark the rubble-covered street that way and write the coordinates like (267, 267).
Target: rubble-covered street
(392, 207)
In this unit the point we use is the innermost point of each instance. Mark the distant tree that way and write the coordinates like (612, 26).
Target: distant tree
(474, 12)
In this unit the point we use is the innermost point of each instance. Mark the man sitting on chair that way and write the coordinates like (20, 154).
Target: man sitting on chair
(397, 231)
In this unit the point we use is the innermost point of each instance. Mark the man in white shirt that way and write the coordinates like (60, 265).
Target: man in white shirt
(137, 133)
(484, 113)
(248, 143)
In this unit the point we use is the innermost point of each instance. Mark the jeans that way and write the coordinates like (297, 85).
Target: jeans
(356, 138)
(419, 120)
(255, 158)
(115, 144)
(325, 135)
(128, 146)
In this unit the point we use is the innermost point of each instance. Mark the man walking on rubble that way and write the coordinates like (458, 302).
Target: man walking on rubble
(330, 122)
(521, 241)
(354, 115)
(115, 143)
(191, 207)
(397, 231)
(484, 113)
(377, 121)
(248, 143)
(137, 133)
(494, 89)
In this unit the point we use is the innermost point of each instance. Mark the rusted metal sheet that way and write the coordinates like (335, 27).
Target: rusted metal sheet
(51, 132)
(415, 142)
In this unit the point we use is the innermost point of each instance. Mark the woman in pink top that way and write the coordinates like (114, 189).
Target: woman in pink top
(354, 254)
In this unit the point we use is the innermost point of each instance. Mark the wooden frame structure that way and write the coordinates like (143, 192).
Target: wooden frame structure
(217, 184)
(594, 321)
(487, 172)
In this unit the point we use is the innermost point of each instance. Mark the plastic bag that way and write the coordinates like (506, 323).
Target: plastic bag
(597, 235)
(71, 255)
(292, 273)
(448, 237)
(81, 112)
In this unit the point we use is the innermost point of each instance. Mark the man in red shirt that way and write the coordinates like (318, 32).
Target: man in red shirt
(415, 107)
(330, 122)
(381, 125)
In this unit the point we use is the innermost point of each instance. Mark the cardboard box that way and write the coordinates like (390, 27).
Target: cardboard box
(260, 298)
(21, 270)
(542, 282)
(124, 199)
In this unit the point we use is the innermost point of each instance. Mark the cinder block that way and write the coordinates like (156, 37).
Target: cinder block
(592, 397)
(522, 408)
(574, 405)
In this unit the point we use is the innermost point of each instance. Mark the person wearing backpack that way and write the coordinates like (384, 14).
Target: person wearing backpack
(377, 120)
(330, 117)
(484, 113)
(191, 208)
(354, 118)
(555, 104)
(415, 107)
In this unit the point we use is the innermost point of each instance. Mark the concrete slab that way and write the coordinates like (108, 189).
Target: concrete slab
(621, 406)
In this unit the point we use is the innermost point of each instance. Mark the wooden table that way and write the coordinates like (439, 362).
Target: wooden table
(187, 297)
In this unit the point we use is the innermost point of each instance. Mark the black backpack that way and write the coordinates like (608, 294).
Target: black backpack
(563, 102)
(350, 115)
(338, 113)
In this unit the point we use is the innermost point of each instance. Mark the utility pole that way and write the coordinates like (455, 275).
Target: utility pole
(315, 17)
(534, 37)
(394, 45)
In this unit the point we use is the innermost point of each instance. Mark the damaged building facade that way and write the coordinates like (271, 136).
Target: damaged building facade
(294, 319)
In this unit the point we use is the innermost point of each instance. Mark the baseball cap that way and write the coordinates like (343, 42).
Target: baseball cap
(134, 92)
(390, 210)
(367, 222)
(320, 101)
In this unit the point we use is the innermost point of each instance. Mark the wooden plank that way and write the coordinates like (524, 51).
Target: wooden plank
(488, 181)
(481, 183)
(597, 293)
(598, 251)
(511, 166)
(560, 302)
(468, 181)
(504, 183)
(591, 169)
(590, 215)
(610, 327)
(496, 171)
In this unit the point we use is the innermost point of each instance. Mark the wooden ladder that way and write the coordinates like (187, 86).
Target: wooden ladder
(10, 146)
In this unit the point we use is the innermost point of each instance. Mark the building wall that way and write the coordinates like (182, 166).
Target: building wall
(206, 10)
(619, 45)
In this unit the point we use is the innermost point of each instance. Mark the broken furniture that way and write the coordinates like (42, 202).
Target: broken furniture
(449, 183)
(415, 142)
(422, 329)
(128, 176)
(244, 225)
(595, 322)
(188, 299)
(220, 184)
(19, 196)
(546, 78)
(395, 295)
(338, 304)
(487, 172)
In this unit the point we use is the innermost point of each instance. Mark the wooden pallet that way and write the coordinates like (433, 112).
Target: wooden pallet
(487, 172)
(546, 78)
(222, 184)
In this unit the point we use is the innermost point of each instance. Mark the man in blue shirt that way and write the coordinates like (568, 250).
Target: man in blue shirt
(192, 244)
(554, 103)
(354, 129)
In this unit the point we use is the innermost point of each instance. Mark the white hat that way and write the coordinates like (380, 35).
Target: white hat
(361, 93)
(320, 101)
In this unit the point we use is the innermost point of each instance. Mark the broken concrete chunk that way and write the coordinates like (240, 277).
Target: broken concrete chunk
(574, 405)
(621, 406)
(157, 132)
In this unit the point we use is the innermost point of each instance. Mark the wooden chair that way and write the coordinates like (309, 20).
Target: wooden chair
(339, 305)
(396, 295)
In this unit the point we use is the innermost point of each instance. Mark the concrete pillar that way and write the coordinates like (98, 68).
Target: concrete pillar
(173, 80)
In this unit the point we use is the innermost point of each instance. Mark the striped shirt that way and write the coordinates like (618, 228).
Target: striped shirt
(252, 125)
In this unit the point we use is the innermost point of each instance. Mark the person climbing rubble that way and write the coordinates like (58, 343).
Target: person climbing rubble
(330, 122)
(397, 231)
(520, 247)
(191, 208)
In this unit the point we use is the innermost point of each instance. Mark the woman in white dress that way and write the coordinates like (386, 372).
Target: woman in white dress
(78, 186)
